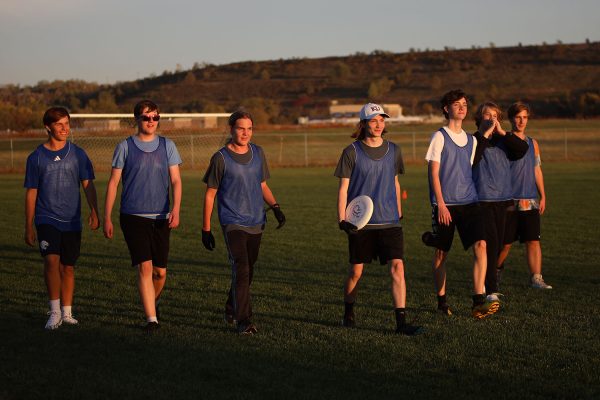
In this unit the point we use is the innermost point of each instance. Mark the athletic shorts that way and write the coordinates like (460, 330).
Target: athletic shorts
(467, 219)
(383, 244)
(524, 226)
(147, 239)
(65, 244)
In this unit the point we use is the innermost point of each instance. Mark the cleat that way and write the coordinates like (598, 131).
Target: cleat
(54, 321)
(537, 282)
(247, 328)
(151, 327)
(483, 310)
(348, 321)
(444, 309)
(69, 320)
(409, 330)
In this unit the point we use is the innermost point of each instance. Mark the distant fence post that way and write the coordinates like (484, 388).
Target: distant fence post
(192, 149)
(414, 138)
(566, 145)
(306, 150)
(12, 156)
(280, 149)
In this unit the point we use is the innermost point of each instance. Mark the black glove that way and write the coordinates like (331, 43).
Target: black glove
(278, 215)
(347, 227)
(208, 240)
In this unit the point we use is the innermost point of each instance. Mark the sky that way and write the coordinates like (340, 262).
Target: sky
(122, 40)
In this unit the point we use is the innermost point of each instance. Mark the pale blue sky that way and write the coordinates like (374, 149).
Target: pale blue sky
(119, 40)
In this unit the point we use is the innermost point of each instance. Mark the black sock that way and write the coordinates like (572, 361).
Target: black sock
(400, 316)
(348, 308)
(441, 300)
(478, 299)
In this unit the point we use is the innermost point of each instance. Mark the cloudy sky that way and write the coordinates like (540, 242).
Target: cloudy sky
(109, 40)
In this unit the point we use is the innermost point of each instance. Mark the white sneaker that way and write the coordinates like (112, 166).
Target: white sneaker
(69, 320)
(537, 282)
(54, 321)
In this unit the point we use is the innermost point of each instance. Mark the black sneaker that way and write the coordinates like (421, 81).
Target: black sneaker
(444, 309)
(409, 330)
(348, 321)
(430, 239)
(246, 328)
(152, 327)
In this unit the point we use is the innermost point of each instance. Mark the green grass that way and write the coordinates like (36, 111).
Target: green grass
(543, 344)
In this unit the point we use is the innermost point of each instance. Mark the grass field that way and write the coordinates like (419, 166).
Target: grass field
(542, 344)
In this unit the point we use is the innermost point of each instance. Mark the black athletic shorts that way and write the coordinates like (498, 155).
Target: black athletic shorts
(147, 239)
(66, 244)
(370, 244)
(467, 219)
(524, 226)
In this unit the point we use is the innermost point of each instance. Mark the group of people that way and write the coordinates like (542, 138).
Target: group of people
(485, 184)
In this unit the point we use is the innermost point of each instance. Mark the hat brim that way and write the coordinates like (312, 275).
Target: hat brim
(370, 117)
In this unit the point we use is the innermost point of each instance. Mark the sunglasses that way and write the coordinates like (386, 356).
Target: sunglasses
(148, 118)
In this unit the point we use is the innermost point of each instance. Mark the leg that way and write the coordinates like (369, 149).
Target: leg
(503, 255)
(398, 283)
(146, 288)
(439, 271)
(159, 277)
(52, 276)
(533, 251)
(67, 284)
(237, 248)
(479, 266)
(351, 285)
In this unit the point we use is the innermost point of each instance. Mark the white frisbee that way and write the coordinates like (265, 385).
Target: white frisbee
(359, 211)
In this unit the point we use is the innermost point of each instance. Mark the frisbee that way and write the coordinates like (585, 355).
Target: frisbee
(359, 211)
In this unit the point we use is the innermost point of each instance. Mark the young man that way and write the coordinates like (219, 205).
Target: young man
(148, 163)
(523, 223)
(455, 203)
(370, 166)
(52, 201)
(491, 174)
(237, 177)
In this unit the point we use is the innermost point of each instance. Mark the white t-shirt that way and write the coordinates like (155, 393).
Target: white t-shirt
(434, 153)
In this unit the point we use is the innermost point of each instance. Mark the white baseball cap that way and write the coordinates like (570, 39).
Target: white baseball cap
(370, 110)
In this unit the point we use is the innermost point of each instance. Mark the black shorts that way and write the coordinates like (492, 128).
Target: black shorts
(467, 219)
(524, 226)
(147, 239)
(370, 244)
(66, 244)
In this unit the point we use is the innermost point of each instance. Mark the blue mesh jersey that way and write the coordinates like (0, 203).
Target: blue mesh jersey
(376, 179)
(239, 198)
(492, 174)
(523, 175)
(57, 175)
(456, 176)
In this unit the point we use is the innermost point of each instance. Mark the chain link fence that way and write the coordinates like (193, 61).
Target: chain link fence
(291, 149)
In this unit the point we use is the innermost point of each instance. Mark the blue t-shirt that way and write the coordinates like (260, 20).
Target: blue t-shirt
(56, 175)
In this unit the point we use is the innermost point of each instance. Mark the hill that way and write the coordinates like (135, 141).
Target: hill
(559, 80)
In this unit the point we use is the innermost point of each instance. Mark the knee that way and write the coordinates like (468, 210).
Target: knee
(397, 271)
(480, 246)
(354, 273)
(145, 269)
(68, 272)
(159, 273)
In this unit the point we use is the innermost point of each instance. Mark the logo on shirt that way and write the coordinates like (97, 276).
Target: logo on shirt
(57, 158)
(44, 245)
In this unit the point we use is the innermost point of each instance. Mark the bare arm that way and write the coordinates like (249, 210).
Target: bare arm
(92, 199)
(209, 202)
(343, 198)
(111, 194)
(177, 191)
(30, 198)
(398, 196)
(267, 194)
(444, 217)
(539, 179)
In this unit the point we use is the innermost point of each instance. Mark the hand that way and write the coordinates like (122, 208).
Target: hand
(208, 240)
(278, 215)
(29, 236)
(347, 227)
(486, 127)
(108, 228)
(444, 216)
(93, 221)
(542, 205)
(173, 219)
(499, 129)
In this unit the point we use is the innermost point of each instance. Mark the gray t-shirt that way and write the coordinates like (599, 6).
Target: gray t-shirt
(348, 159)
(215, 172)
